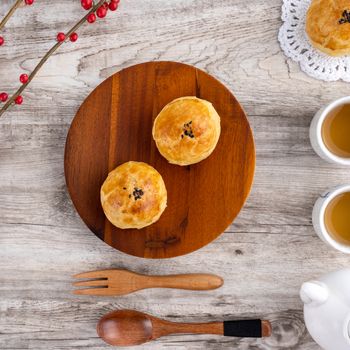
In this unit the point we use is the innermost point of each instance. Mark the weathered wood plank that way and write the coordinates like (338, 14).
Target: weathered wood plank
(264, 256)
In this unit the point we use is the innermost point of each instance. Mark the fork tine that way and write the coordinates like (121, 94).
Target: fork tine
(95, 283)
(93, 274)
(92, 291)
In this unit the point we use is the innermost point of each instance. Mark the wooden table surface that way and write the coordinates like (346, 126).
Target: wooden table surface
(264, 256)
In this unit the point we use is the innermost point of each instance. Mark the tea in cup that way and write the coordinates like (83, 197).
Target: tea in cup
(331, 218)
(330, 132)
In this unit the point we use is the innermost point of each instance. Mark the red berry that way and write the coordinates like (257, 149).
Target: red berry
(19, 100)
(91, 18)
(105, 5)
(23, 78)
(3, 97)
(1, 40)
(29, 2)
(73, 37)
(113, 5)
(86, 4)
(61, 37)
(101, 12)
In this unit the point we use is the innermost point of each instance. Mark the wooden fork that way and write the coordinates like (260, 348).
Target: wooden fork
(121, 282)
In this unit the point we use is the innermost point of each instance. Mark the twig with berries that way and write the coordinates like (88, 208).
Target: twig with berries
(13, 9)
(98, 8)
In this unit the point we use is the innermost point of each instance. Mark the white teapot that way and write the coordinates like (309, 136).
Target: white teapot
(327, 310)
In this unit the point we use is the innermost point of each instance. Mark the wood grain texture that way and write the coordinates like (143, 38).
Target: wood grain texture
(114, 126)
(264, 256)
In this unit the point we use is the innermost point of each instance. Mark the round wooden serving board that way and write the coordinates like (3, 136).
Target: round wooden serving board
(114, 125)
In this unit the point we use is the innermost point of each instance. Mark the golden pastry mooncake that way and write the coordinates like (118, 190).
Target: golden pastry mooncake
(328, 26)
(133, 195)
(187, 130)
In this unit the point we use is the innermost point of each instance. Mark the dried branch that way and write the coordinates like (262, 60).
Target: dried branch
(11, 100)
(13, 9)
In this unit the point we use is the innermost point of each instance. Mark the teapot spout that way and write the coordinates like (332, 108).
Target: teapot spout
(314, 292)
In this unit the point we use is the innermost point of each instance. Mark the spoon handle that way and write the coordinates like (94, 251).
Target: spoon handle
(240, 328)
(247, 328)
(189, 281)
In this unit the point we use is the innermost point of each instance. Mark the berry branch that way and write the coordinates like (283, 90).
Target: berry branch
(100, 8)
(13, 9)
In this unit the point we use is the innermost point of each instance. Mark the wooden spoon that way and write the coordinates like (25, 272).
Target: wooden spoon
(128, 328)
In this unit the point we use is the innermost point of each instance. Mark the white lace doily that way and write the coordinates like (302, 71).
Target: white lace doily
(296, 45)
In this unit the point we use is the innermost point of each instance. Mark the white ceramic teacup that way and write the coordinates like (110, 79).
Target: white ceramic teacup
(316, 133)
(318, 217)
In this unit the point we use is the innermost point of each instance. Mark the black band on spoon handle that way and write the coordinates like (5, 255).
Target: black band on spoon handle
(243, 329)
